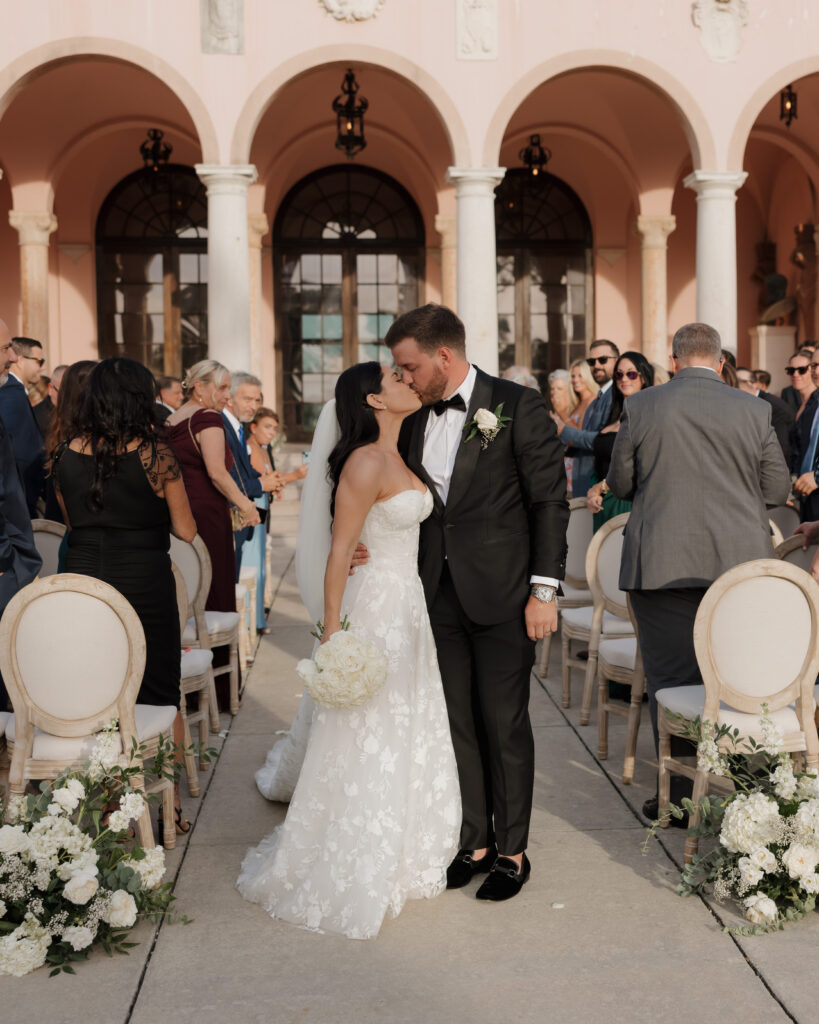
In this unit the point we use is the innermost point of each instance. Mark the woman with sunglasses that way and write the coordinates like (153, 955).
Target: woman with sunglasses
(803, 454)
(632, 373)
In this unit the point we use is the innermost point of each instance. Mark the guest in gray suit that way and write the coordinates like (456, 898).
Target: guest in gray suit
(700, 461)
(602, 357)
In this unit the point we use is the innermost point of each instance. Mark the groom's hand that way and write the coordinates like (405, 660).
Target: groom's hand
(541, 618)
(360, 557)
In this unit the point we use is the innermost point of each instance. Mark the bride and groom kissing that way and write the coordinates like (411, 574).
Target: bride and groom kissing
(447, 493)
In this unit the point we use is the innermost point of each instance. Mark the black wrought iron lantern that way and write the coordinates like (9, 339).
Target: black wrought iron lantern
(155, 152)
(534, 156)
(787, 106)
(349, 110)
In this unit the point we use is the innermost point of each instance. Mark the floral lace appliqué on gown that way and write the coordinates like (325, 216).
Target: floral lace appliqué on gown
(376, 814)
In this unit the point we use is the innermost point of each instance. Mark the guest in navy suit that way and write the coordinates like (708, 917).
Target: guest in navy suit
(26, 356)
(245, 399)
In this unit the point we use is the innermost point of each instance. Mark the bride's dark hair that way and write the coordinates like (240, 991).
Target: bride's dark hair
(356, 419)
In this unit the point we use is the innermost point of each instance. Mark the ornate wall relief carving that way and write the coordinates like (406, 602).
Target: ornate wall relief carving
(352, 10)
(720, 23)
(223, 26)
(476, 29)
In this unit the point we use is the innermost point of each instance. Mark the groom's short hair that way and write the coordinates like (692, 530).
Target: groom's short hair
(432, 326)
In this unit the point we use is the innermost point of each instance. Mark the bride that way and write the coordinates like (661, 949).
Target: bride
(375, 816)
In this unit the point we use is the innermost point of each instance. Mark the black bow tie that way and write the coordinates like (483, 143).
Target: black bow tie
(456, 402)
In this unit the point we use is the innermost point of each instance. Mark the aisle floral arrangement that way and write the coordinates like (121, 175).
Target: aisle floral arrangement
(767, 829)
(70, 878)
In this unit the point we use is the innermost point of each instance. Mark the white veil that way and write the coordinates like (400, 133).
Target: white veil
(315, 522)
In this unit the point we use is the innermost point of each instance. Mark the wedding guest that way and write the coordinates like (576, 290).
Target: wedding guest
(763, 379)
(602, 356)
(561, 396)
(684, 454)
(729, 375)
(40, 402)
(122, 494)
(790, 395)
(521, 375)
(632, 373)
(21, 365)
(169, 398)
(781, 415)
(803, 436)
(63, 427)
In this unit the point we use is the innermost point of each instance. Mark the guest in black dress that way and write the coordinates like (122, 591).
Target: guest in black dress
(122, 493)
(62, 428)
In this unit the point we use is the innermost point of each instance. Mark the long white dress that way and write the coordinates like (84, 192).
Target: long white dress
(376, 814)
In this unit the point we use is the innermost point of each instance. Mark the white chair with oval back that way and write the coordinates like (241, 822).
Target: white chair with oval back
(755, 637)
(207, 629)
(66, 690)
(785, 518)
(791, 550)
(776, 534)
(619, 661)
(4, 757)
(48, 536)
(608, 616)
(576, 593)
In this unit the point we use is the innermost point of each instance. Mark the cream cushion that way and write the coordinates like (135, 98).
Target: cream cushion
(582, 618)
(217, 622)
(571, 593)
(689, 702)
(621, 653)
(4, 717)
(151, 720)
(196, 662)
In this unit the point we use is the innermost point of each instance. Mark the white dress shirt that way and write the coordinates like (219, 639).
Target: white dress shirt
(237, 426)
(441, 440)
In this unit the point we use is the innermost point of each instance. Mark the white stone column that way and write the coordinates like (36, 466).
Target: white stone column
(654, 232)
(257, 227)
(447, 228)
(717, 250)
(35, 228)
(228, 262)
(477, 272)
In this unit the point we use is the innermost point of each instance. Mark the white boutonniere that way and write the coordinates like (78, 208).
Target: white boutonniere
(488, 425)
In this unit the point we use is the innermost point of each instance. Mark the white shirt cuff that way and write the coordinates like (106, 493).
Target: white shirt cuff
(546, 580)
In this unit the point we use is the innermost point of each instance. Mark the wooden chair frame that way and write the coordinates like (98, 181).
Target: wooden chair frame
(4, 757)
(565, 602)
(250, 578)
(201, 685)
(798, 691)
(28, 716)
(46, 526)
(791, 544)
(776, 534)
(636, 680)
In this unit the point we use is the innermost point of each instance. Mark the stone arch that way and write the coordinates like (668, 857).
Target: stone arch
(692, 119)
(388, 61)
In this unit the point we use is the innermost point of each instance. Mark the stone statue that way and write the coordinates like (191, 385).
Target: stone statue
(477, 29)
(804, 257)
(720, 23)
(352, 10)
(223, 26)
(779, 305)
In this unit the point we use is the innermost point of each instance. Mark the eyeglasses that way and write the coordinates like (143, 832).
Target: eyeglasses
(35, 359)
(601, 360)
(814, 366)
(631, 374)
(801, 370)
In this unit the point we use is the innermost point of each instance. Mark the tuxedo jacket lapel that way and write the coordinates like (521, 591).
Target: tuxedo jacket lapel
(466, 460)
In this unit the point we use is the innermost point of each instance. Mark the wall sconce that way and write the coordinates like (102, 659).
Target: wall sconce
(349, 113)
(787, 106)
(155, 152)
(534, 156)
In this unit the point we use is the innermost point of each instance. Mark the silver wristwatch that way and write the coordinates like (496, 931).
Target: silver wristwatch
(543, 592)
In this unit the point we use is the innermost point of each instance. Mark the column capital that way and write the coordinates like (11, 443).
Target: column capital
(447, 228)
(226, 178)
(715, 183)
(33, 226)
(654, 230)
(475, 181)
(257, 227)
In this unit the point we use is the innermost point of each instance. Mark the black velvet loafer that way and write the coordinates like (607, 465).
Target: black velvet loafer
(464, 868)
(504, 881)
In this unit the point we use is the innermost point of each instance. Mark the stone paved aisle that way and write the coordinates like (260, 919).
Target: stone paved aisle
(597, 934)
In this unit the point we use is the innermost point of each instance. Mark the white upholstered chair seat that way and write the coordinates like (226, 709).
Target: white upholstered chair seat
(217, 622)
(4, 717)
(196, 662)
(581, 618)
(571, 593)
(621, 653)
(151, 720)
(689, 702)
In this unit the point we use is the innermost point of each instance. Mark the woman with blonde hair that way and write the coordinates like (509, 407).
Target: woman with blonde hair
(584, 389)
(561, 395)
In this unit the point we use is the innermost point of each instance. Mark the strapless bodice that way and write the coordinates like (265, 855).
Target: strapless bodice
(390, 530)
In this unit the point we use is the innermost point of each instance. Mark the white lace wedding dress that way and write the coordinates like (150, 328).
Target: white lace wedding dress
(376, 813)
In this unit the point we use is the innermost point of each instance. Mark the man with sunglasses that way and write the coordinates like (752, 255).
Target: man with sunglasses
(789, 395)
(602, 356)
(23, 365)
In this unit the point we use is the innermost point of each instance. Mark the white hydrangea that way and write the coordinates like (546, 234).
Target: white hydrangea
(783, 780)
(750, 875)
(16, 810)
(808, 787)
(13, 840)
(55, 810)
(78, 937)
(132, 804)
(118, 821)
(151, 868)
(751, 821)
(121, 911)
(760, 909)
(50, 836)
(800, 860)
(25, 949)
(80, 888)
(347, 672)
(805, 820)
(66, 798)
(709, 758)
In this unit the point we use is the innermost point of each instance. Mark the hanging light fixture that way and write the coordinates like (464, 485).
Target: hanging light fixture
(534, 156)
(349, 113)
(787, 106)
(155, 152)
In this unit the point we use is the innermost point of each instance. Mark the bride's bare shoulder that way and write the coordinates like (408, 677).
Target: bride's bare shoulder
(364, 466)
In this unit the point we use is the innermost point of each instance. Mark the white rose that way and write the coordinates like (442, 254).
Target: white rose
(78, 937)
(76, 788)
(760, 909)
(122, 910)
(13, 839)
(764, 859)
(65, 798)
(81, 887)
(810, 883)
(800, 860)
(485, 420)
(749, 873)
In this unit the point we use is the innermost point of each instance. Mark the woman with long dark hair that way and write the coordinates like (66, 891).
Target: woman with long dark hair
(632, 373)
(64, 426)
(121, 493)
(376, 812)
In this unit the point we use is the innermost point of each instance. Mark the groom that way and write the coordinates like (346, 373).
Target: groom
(490, 558)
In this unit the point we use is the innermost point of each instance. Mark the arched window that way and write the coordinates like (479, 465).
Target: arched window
(545, 297)
(347, 244)
(152, 269)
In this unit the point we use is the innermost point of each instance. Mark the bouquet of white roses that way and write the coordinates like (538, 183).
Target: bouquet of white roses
(767, 830)
(68, 879)
(347, 671)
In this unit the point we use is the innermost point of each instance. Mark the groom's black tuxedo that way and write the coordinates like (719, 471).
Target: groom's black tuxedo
(504, 520)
